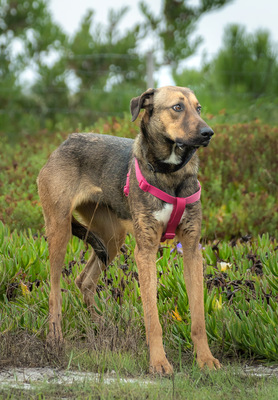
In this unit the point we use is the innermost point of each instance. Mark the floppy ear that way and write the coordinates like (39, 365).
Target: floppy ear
(146, 99)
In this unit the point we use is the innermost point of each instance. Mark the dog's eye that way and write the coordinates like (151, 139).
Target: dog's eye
(177, 107)
(199, 109)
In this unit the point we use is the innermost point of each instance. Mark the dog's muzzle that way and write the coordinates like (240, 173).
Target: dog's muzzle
(206, 134)
(202, 139)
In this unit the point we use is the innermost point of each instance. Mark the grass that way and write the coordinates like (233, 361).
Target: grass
(230, 383)
(240, 298)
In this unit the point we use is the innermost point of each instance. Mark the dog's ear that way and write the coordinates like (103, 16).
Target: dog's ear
(143, 101)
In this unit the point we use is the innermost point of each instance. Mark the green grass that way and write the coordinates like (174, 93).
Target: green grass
(240, 297)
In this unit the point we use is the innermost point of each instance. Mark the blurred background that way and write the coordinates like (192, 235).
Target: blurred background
(64, 65)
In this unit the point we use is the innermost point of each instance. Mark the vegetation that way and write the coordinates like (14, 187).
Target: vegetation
(239, 189)
(97, 70)
(240, 211)
(237, 172)
(231, 384)
(240, 296)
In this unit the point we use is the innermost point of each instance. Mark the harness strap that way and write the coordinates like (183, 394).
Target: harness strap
(179, 203)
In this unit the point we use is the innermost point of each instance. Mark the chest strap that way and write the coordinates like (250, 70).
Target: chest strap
(179, 203)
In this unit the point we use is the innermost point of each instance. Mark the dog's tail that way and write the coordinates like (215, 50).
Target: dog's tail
(92, 238)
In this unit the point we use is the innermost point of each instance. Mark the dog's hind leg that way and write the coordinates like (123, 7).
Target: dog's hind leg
(58, 235)
(57, 215)
(112, 233)
(88, 279)
(87, 282)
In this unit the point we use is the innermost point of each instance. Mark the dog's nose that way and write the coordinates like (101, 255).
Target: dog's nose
(206, 132)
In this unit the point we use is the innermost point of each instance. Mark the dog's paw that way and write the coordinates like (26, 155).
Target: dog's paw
(96, 316)
(161, 367)
(210, 362)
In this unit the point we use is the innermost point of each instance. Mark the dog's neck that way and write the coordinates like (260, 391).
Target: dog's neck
(168, 167)
(147, 149)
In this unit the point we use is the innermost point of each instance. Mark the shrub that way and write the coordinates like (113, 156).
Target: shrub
(237, 173)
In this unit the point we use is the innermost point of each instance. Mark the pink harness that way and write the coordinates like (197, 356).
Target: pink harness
(179, 203)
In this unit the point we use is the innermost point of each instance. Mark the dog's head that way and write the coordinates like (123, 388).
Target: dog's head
(175, 113)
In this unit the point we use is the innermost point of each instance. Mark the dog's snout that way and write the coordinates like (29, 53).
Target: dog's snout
(206, 132)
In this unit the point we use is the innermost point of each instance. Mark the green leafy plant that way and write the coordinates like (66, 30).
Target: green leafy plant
(240, 293)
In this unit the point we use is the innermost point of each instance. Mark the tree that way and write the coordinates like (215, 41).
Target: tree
(107, 64)
(28, 37)
(247, 62)
(99, 51)
(175, 25)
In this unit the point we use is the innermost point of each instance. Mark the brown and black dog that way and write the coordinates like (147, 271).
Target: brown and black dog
(87, 174)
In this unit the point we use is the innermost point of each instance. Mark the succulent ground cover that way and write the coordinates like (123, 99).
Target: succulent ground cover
(241, 294)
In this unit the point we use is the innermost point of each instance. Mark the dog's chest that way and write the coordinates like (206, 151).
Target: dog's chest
(164, 214)
(173, 158)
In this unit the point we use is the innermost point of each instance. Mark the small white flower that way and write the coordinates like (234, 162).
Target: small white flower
(224, 266)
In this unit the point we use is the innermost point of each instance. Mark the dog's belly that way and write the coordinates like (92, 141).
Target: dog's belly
(127, 225)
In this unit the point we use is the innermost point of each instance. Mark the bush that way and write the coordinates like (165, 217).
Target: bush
(237, 173)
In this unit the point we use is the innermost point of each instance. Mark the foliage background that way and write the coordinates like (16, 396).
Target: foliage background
(239, 180)
(95, 71)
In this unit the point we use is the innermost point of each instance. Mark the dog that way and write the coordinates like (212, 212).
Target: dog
(89, 173)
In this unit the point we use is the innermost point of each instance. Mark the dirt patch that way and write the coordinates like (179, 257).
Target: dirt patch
(28, 378)
(261, 371)
(22, 349)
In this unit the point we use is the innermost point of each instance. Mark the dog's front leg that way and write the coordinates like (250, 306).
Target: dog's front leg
(193, 275)
(145, 256)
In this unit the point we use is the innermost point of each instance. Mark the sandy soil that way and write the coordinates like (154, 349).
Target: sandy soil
(27, 378)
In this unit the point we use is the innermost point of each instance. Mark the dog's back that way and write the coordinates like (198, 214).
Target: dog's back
(89, 167)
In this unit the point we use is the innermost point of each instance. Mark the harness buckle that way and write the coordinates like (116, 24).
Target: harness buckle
(168, 235)
(144, 185)
(126, 190)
